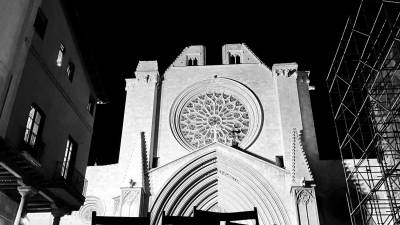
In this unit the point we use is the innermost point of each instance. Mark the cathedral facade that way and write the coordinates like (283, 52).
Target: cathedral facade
(221, 138)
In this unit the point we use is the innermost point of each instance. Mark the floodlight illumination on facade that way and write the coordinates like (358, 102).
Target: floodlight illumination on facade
(223, 138)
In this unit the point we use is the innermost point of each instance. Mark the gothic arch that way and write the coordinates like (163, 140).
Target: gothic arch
(198, 183)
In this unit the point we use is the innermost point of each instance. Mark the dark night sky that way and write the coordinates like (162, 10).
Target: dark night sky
(119, 33)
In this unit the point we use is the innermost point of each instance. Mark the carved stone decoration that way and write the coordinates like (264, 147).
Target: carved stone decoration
(130, 201)
(306, 205)
(214, 117)
(129, 197)
(284, 69)
(92, 203)
(304, 196)
(116, 205)
(218, 110)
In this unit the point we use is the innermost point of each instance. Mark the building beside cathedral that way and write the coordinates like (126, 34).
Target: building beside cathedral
(223, 138)
(47, 109)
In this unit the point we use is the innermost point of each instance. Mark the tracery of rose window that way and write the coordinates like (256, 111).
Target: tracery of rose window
(214, 117)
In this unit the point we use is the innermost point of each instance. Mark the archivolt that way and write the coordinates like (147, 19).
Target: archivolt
(197, 184)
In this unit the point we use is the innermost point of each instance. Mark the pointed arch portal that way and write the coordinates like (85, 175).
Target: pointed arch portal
(214, 183)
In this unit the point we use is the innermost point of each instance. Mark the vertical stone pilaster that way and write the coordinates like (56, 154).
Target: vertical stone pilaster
(306, 205)
(136, 153)
(285, 78)
(138, 123)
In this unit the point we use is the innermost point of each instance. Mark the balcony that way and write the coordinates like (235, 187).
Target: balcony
(19, 166)
(34, 151)
(70, 189)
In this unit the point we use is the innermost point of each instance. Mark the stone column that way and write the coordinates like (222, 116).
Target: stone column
(57, 213)
(25, 192)
(306, 205)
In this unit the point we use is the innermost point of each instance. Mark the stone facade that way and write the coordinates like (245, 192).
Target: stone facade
(223, 138)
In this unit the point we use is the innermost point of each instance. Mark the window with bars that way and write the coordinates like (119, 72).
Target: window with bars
(70, 71)
(69, 151)
(33, 125)
(60, 56)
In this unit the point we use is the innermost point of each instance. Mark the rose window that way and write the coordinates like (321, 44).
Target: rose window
(214, 117)
(218, 110)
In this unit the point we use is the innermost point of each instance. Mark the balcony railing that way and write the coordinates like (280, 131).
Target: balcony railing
(73, 179)
(34, 151)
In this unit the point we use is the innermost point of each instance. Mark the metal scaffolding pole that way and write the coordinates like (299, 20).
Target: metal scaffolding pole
(364, 89)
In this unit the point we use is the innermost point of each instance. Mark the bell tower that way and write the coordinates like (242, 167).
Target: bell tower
(137, 127)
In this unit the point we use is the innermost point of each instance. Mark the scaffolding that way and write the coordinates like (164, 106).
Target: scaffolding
(364, 90)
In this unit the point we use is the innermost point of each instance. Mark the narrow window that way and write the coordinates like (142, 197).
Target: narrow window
(33, 126)
(69, 151)
(90, 105)
(237, 61)
(70, 71)
(155, 162)
(231, 59)
(234, 58)
(61, 52)
(279, 161)
(190, 62)
(40, 23)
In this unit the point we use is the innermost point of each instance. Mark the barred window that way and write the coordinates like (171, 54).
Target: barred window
(61, 52)
(69, 150)
(70, 71)
(33, 125)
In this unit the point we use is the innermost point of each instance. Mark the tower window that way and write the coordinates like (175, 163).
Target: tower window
(61, 53)
(237, 59)
(231, 59)
(40, 23)
(69, 151)
(70, 71)
(234, 58)
(33, 126)
(192, 61)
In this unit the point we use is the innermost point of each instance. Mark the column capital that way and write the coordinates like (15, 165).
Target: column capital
(26, 190)
(58, 211)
